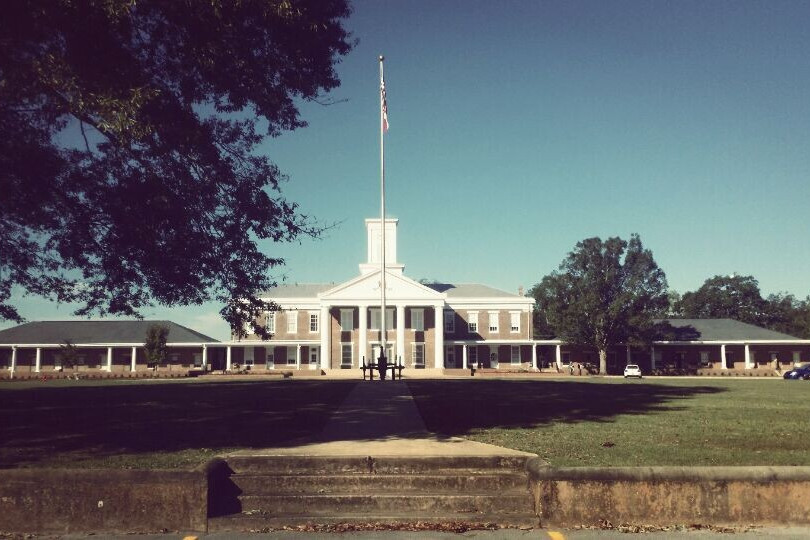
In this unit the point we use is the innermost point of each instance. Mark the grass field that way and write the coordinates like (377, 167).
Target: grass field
(156, 424)
(613, 422)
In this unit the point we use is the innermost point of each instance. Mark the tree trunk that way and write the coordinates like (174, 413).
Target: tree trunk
(602, 361)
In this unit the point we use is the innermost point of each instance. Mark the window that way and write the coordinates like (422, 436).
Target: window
(493, 321)
(313, 322)
(292, 322)
(704, 358)
(515, 354)
(472, 321)
(271, 322)
(389, 318)
(797, 357)
(514, 322)
(346, 320)
(345, 355)
(197, 359)
(313, 355)
(418, 319)
(450, 356)
(449, 321)
(248, 357)
(174, 358)
(418, 355)
(472, 354)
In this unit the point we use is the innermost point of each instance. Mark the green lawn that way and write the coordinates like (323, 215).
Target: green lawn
(156, 424)
(613, 422)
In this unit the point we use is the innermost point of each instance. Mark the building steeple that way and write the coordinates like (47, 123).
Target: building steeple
(373, 255)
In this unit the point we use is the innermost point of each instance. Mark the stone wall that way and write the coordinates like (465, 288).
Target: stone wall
(670, 495)
(58, 501)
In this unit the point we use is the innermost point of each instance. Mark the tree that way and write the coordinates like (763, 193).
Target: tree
(155, 344)
(129, 171)
(604, 293)
(70, 355)
(731, 297)
(784, 313)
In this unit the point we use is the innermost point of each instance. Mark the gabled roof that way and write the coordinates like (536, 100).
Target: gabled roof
(88, 332)
(470, 290)
(718, 330)
(367, 287)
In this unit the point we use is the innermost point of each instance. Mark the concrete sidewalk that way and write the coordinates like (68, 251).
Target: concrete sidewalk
(380, 418)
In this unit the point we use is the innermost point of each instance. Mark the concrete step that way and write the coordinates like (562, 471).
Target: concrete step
(382, 503)
(331, 465)
(265, 523)
(379, 483)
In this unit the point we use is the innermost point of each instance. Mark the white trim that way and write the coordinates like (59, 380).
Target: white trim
(351, 359)
(343, 313)
(497, 328)
(418, 314)
(414, 346)
(512, 329)
(472, 318)
(449, 320)
(270, 322)
(292, 322)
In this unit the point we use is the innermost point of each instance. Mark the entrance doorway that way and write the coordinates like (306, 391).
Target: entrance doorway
(314, 357)
(389, 353)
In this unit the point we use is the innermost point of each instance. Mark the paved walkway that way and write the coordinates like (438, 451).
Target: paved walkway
(381, 418)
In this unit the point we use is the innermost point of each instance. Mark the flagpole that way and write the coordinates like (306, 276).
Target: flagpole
(383, 327)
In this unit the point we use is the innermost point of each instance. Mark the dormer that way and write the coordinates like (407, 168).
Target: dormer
(374, 247)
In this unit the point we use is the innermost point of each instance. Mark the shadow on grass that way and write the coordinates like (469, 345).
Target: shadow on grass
(457, 407)
(47, 424)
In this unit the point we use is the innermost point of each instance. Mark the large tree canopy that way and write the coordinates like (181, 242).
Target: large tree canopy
(604, 293)
(128, 166)
(731, 297)
(739, 298)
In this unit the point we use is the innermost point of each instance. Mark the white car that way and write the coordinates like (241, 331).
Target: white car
(632, 370)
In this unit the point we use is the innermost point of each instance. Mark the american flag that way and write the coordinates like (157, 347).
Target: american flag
(384, 107)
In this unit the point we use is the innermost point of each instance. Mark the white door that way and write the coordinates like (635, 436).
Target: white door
(313, 357)
(493, 357)
(270, 359)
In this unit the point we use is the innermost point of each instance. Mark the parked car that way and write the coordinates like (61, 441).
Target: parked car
(632, 370)
(801, 372)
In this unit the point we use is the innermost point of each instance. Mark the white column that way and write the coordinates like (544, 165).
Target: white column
(439, 339)
(629, 356)
(464, 356)
(109, 359)
(747, 357)
(13, 367)
(652, 358)
(228, 358)
(363, 335)
(401, 332)
(38, 364)
(326, 330)
(298, 356)
(558, 358)
(534, 356)
(204, 357)
(723, 356)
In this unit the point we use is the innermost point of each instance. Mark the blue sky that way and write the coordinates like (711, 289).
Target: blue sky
(520, 128)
